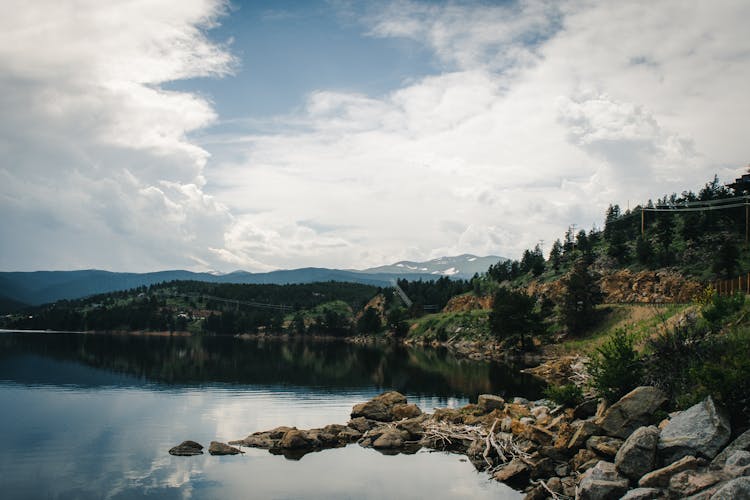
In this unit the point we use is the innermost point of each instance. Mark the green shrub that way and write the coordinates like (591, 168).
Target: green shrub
(719, 308)
(569, 395)
(616, 368)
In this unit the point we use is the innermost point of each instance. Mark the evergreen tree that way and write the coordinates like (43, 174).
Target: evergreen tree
(581, 296)
(555, 255)
(513, 316)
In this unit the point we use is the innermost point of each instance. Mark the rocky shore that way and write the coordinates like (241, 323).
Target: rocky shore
(589, 452)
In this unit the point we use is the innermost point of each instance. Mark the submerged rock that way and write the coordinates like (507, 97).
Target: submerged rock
(186, 449)
(217, 448)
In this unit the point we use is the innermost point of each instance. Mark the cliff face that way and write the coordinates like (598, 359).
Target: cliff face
(649, 287)
(462, 303)
(625, 286)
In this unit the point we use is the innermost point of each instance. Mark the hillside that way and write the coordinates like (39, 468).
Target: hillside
(41, 287)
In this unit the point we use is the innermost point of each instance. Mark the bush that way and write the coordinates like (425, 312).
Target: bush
(616, 368)
(569, 395)
(719, 308)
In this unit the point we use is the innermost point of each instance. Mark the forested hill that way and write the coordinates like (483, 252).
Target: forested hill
(33, 288)
(702, 235)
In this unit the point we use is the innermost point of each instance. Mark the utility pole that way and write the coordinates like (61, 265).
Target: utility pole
(643, 213)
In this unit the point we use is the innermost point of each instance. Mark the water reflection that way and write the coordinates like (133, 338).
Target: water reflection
(131, 359)
(89, 416)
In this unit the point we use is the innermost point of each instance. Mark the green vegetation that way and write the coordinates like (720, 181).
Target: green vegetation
(514, 317)
(569, 395)
(696, 357)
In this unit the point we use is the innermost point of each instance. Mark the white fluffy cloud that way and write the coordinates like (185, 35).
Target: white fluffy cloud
(544, 113)
(97, 169)
(541, 114)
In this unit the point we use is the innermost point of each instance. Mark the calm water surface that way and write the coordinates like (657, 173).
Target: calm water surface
(92, 416)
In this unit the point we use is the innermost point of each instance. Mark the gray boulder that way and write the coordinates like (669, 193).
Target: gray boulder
(633, 410)
(637, 456)
(738, 464)
(645, 494)
(734, 490)
(602, 482)
(186, 449)
(702, 429)
(742, 442)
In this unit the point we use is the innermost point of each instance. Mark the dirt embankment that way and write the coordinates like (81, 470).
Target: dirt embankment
(463, 303)
(625, 286)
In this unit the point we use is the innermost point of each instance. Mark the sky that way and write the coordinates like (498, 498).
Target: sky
(142, 135)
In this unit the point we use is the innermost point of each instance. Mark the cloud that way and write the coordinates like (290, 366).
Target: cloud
(97, 166)
(543, 113)
(538, 115)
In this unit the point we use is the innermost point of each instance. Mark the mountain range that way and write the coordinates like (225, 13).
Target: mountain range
(18, 289)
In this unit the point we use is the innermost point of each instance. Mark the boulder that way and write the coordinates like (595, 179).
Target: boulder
(361, 424)
(742, 442)
(257, 440)
(295, 440)
(738, 464)
(604, 445)
(380, 407)
(217, 448)
(413, 427)
(733, 490)
(586, 409)
(645, 494)
(489, 402)
(515, 472)
(602, 482)
(702, 429)
(401, 411)
(633, 410)
(583, 456)
(660, 477)
(690, 482)
(390, 439)
(637, 455)
(186, 449)
(583, 431)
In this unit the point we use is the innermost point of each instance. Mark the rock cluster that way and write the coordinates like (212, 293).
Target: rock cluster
(590, 452)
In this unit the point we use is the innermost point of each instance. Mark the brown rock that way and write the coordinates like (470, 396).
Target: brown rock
(660, 477)
(581, 458)
(389, 439)
(583, 431)
(295, 440)
(380, 407)
(186, 449)
(690, 482)
(401, 411)
(514, 472)
(361, 424)
(217, 448)
(489, 402)
(604, 445)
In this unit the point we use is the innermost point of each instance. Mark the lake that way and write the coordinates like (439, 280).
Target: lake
(93, 415)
